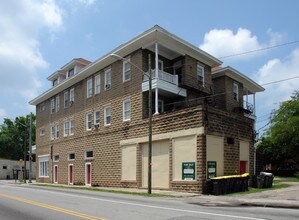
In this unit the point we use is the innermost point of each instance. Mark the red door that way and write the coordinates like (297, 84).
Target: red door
(243, 167)
(88, 173)
(56, 174)
(71, 174)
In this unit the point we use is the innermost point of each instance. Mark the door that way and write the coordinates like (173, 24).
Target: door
(71, 174)
(243, 165)
(56, 174)
(88, 174)
(160, 164)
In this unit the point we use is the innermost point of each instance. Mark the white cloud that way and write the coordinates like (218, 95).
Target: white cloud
(2, 114)
(21, 22)
(224, 42)
(87, 2)
(276, 70)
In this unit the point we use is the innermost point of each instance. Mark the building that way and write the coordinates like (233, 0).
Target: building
(10, 168)
(92, 125)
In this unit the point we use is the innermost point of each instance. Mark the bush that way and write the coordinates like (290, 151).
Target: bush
(296, 175)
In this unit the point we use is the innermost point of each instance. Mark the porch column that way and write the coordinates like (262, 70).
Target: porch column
(156, 76)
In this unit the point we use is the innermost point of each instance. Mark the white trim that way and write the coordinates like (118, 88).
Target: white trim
(68, 174)
(72, 95)
(97, 84)
(105, 115)
(126, 110)
(94, 117)
(54, 174)
(127, 61)
(107, 81)
(88, 163)
(87, 128)
(198, 66)
(85, 155)
(68, 156)
(89, 88)
(236, 91)
(66, 99)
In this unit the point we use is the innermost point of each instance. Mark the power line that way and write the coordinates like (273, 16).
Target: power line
(258, 50)
(295, 77)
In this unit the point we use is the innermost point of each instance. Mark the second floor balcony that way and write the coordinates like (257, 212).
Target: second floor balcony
(166, 83)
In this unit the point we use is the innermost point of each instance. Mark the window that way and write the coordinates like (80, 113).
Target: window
(107, 79)
(160, 106)
(89, 88)
(88, 154)
(70, 72)
(4, 167)
(96, 118)
(66, 130)
(43, 166)
(200, 75)
(97, 84)
(107, 115)
(236, 91)
(66, 99)
(57, 131)
(56, 158)
(52, 105)
(127, 110)
(52, 132)
(57, 103)
(160, 65)
(42, 107)
(88, 121)
(72, 124)
(126, 70)
(42, 132)
(72, 95)
(71, 156)
(55, 82)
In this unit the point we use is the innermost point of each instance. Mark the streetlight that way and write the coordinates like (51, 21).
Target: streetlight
(150, 103)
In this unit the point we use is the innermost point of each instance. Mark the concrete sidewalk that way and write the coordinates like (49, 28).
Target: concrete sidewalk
(283, 198)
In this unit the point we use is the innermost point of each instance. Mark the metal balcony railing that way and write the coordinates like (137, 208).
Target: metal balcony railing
(168, 77)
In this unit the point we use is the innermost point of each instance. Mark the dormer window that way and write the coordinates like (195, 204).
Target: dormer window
(71, 72)
(55, 82)
(236, 91)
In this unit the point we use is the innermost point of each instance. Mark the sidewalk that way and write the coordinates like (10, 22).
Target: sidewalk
(282, 198)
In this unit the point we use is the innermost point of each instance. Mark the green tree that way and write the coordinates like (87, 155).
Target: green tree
(12, 137)
(281, 141)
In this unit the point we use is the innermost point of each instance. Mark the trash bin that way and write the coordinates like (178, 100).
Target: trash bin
(260, 181)
(268, 179)
(217, 187)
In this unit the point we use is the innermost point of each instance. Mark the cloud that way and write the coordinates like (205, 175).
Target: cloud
(87, 2)
(2, 114)
(21, 22)
(276, 70)
(224, 42)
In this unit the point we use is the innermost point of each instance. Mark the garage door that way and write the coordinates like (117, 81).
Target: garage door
(160, 164)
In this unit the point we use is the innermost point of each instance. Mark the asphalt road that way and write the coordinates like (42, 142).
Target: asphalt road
(33, 202)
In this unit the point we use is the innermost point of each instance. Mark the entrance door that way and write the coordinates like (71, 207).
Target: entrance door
(88, 174)
(243, 165)
(56, 174)
(71, 174)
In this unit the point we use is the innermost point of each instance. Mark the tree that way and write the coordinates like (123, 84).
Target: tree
(281, 141)
(12, 137)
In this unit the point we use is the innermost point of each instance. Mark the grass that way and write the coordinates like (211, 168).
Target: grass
(285, 179)
(256, 190)
(105, 190)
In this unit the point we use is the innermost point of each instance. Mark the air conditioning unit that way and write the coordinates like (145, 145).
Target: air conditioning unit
(96, 126)
(108, 86)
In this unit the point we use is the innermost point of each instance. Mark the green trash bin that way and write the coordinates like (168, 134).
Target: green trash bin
(260, 181)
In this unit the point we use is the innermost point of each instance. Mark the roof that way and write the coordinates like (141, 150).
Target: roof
(248, 83)
(145, 40)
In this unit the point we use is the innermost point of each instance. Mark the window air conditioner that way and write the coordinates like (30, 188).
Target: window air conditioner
(96, 126)
(107, 86)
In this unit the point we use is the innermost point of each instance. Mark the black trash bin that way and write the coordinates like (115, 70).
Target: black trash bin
(217, 187)
(268, 179)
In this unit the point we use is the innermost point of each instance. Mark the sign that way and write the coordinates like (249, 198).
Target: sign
(188, 170)
(212, 166)
(21, 160)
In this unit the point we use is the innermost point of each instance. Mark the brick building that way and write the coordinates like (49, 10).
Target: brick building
(92, 125)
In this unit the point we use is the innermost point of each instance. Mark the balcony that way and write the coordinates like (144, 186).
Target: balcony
(168, 84)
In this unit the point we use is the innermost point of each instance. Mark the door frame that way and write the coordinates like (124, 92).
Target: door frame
(86, 174)
(55, 173)
(69, 177)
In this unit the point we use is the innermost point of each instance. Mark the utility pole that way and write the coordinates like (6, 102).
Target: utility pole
(30, 149)
(25, 149)
(149, 189)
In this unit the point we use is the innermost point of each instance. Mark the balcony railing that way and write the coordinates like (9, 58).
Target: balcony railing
(168, 77)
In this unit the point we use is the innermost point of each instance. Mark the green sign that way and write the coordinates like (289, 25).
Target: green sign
(188, 170)
(212, 165)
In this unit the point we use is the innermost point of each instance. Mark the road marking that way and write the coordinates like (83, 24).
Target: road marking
(55, 208)
(142, 205)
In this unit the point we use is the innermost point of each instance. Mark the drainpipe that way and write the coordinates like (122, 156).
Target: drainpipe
(156, 76)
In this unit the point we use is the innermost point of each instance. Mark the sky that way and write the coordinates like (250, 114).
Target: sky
(38, 37)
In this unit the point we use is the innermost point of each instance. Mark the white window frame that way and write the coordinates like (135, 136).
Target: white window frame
(42, 132)
(70, 70)
(66, 99)
(127, 72)
(52, 105)
(43, 161)
(66, 128)
(96, 117)
(52, 132)
(107, 79)
(54, 159)
(88, 164)
(89, 88)
(42, 107)
(236, 91)
(106, 115)
(68, 174)
(97, 84)
(72, 95)
(199, 67)
(72, 127)
(85, 154)
(57, 102)
(56, 131)
(126, 112)
(88, 120)
(68, 156)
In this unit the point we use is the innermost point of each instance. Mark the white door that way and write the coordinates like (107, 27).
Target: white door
(160, 164)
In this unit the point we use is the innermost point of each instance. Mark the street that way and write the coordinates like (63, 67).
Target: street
(34, 202)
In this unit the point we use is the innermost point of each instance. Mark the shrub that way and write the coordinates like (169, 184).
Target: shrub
(296, 175)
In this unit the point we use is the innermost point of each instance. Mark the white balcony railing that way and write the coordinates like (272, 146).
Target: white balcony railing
(163, 76)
